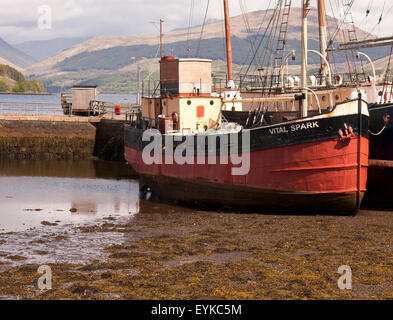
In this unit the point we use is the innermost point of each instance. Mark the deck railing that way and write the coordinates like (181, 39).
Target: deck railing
(30, 108)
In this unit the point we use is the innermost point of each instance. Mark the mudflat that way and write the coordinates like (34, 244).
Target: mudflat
(167, 252)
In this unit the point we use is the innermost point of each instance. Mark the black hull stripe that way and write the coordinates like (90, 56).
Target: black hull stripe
(222, 196)
(275, 136)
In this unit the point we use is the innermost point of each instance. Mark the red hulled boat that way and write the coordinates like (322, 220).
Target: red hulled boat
(184, 151)
(306, 170)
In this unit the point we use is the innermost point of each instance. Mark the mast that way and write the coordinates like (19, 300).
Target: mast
(161, 22)
(230, 83)
(306, 10)
(363, 44)
(322, 35)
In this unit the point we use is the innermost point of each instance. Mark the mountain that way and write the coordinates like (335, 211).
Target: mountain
(43, 49)
(14, 56)
(109, 59)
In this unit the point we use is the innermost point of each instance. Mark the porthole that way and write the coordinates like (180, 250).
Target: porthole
(189, 102)
(211, 102)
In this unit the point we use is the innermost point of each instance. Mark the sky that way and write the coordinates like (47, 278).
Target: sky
(25, 20)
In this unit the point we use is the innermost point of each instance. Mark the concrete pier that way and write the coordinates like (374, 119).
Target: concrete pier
(61, 137)
(59, 118)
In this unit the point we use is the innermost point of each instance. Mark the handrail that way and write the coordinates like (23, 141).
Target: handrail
(327, 65)
(256, 100)
(316, 97)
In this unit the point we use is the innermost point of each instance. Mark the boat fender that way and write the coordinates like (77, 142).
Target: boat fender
(386, 97)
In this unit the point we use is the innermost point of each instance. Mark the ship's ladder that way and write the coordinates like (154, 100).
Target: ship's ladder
(349, 26)
(281, 44)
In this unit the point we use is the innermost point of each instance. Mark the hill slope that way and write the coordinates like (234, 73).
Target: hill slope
(109, 59)
(43, 49)
(178, 38)
(15, 56)
(11, 80)
(4, 61)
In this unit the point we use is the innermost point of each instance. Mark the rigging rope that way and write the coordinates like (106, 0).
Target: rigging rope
(271, 22)
(188, 49)
(151, 65)
(339, 27)
(243, 9)
(202, 29)
(257, 58)
(349, 56)
(385, 84)
(381, 17)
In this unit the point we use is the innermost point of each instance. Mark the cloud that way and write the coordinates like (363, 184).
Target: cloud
(81, 18)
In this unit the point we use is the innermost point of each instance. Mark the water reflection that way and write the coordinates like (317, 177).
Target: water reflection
(33, 193)
(65, 168)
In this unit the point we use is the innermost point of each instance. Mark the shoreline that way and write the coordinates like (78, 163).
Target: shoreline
(27, 94)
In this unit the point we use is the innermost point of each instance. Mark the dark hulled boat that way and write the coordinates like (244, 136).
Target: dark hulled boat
(380, 186)
(381, 133)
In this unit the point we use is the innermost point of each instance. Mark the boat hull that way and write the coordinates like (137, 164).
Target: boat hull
(215, 196)
(381, 145)
(380, 174)
(379, 186)
(295, 172)
(323, 179)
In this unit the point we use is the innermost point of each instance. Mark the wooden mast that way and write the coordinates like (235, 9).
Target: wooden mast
(230, 83)
(322, 35)
(363, 44)
(306, 10)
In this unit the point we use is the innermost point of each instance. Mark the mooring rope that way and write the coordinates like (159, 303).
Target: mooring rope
(386, 118)
(380, 132)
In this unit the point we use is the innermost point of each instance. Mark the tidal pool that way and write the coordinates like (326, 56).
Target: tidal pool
(43, 203)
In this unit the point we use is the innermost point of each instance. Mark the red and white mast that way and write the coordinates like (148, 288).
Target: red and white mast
(230, 83)
(322, 35)
(306, 10)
